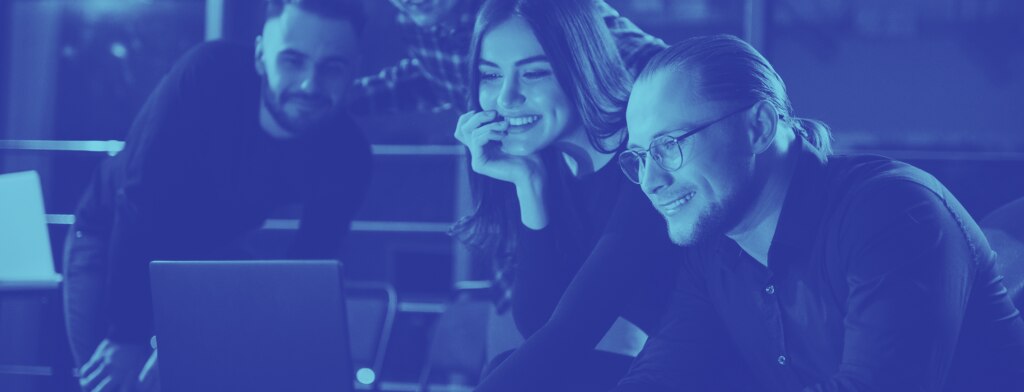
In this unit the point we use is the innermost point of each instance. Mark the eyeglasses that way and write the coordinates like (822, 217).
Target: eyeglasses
(667, 151)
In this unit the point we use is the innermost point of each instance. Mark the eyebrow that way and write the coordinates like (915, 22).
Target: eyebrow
(293, 52)
(661, 133)
(532, 59)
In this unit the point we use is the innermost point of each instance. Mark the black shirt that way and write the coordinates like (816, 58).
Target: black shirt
(604, 254)
(198, 171)
(877, 279)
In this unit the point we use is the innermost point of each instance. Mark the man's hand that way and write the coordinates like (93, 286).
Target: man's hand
(113, 367)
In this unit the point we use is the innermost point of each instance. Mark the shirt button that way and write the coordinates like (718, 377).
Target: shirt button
(770, 289)
(782, 360)
(78, 234)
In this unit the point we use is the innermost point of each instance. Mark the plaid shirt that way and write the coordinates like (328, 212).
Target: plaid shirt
(434, 75)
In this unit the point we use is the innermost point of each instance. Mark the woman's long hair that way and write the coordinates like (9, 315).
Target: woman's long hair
(588, 68)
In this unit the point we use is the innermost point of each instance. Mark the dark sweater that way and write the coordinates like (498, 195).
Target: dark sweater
(604, 254)
(198, 171)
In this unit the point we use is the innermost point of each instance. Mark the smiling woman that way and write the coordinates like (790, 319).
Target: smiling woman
(517, 82)
(570, 239)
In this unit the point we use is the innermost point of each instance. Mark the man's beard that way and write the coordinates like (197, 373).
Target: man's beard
(295, 126)
(718, 218)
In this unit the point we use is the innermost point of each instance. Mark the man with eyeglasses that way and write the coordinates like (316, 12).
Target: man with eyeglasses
(804, 271)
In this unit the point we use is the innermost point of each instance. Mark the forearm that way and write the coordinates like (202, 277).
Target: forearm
(532, 209)
(128, 296)
(142, 230)
(541, 276)
(556, 353)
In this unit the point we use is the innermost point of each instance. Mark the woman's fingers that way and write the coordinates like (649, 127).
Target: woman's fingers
(469, 122)
(492, 131)
(462, 121)
(480, 140)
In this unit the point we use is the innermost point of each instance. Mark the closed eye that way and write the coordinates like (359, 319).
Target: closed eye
(536, 74)
(291, 58)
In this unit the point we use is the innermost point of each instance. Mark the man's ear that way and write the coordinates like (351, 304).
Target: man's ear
(763, 126)
(258, 57)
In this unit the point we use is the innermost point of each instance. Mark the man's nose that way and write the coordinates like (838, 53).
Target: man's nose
(311, 82)
(653, 178)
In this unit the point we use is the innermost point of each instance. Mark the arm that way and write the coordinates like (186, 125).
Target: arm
(635, 46)
(533, 212)
(631, 254)
(908, 272)
(149, 186)
(550, 275)
(691, 351)
(542, 273)
(150, 169)
(401, 87)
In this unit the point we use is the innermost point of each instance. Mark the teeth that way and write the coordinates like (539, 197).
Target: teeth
(520, 121)
(673, 206)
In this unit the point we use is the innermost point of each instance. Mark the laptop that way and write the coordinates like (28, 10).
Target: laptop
(26, 259)
(251, 326)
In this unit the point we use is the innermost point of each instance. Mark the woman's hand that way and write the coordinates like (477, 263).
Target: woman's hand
(479, 132)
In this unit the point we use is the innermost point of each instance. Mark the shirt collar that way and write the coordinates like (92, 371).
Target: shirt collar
(802, 209)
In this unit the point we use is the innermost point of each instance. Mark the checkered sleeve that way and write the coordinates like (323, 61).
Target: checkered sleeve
(402, 87)
(635, 45)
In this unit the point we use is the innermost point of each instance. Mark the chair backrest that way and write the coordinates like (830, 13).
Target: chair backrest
(1004, 229)
(458, 346)
(372, 308)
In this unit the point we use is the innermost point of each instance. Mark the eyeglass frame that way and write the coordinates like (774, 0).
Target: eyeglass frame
(642, 154)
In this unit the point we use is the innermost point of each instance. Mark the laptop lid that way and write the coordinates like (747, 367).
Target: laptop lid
(251, 326)
(26, 260)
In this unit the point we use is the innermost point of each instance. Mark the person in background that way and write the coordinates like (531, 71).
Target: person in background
(577, 246)
(433, 77)
(828, 272)
(231, 134)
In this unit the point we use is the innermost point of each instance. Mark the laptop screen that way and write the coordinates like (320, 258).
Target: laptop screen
(25, 254)
(251, 326)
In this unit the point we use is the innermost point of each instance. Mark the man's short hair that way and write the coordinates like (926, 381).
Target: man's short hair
(351, 10)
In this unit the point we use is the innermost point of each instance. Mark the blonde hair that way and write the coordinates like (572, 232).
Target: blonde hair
(730, 70)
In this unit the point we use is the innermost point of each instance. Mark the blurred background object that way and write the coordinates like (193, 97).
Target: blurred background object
(937, 83)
